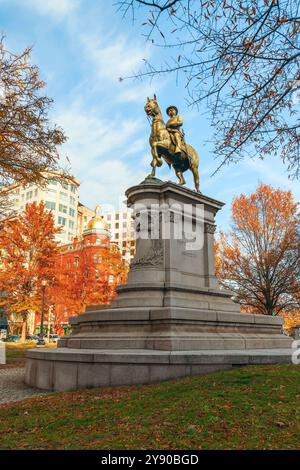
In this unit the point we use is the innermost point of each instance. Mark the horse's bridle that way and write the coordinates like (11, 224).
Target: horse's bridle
(152, 114)
(151, 111)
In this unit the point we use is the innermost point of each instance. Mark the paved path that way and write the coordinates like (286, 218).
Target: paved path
(12, 387)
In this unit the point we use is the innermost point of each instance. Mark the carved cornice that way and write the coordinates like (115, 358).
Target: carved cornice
(209, 228)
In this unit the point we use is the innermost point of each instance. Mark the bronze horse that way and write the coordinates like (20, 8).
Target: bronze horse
(162, 146)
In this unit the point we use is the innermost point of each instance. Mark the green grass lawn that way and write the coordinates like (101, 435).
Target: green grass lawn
(254, 407)
(16, 352)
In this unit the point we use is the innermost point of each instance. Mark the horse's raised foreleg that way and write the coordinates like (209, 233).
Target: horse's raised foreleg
(156, 161)
(154, 165)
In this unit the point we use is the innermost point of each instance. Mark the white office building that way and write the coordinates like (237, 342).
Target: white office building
(59, 195)
(120, 225)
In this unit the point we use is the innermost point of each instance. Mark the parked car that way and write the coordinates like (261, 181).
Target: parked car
(12, 339)
(52, 338)
(32, 338)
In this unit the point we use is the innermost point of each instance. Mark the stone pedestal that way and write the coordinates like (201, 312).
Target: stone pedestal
(171, 319)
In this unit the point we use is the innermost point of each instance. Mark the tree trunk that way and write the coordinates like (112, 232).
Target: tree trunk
(24, 330)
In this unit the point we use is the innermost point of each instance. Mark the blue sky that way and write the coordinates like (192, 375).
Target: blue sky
(82, 47)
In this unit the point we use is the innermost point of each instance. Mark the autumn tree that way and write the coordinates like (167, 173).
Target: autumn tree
(28, 248)
(291, 319)
(240, 59)
(291, 315)
(28, 141)
(90, 278)
(259, 258)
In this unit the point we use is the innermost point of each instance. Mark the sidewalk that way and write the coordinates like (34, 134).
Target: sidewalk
(12, 387)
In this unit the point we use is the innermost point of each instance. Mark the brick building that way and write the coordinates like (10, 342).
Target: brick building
(91, 264)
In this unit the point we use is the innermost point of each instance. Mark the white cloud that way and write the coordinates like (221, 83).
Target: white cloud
(89, 131)
(115, 56)
(108, 181)
(57, 8)
(137, 146)
(272, 171)
(100, 151)
(131, 92)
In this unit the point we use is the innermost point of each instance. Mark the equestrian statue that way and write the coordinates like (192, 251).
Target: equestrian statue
(167, 142)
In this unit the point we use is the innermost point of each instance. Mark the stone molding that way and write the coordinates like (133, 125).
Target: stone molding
(209, 228)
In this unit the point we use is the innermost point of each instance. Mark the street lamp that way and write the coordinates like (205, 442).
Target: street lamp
(41, 341)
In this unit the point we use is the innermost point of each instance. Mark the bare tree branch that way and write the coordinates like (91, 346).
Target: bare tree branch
(239, 59)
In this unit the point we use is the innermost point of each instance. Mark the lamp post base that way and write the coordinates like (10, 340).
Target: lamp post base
(41, 342)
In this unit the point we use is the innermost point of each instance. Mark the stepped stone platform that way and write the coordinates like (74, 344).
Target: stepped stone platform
(73, 369)
(171, 319)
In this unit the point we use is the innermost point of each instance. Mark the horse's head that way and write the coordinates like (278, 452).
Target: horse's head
(151, 107)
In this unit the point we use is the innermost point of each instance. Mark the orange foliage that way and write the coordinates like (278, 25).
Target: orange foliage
(291, 318)
(27, 249)
(259, 259)
(28, 143)
(88, 276)
(29, 254)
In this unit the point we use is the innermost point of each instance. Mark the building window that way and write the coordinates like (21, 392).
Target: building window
(124, 224)
(117, 236)
(124, 244)
(108, 217)
(73, 188)
(51, 192)
(72, 200)
(132, 243)
(124, 234)
(62, 208)
(98, 242)
(65, 186)
(117, 225)
(52, 182)
(63, 196)
(35, 192)
(117, 216)
(28, 195)
(62, 220)
(62, 235)
(50, 205)
(71, 212)
(71, 224)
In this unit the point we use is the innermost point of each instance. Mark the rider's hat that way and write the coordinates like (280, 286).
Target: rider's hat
(171, 107)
